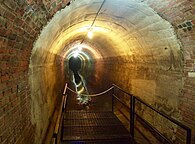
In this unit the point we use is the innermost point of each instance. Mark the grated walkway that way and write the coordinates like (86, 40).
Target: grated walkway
(94, 127)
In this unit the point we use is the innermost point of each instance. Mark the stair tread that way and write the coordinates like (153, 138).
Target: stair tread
(92, 122)
(113, 141)
(94, 132)
(94, 126)
(88, 115)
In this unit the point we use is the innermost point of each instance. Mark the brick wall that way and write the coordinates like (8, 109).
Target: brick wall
(20, 24)
(182, 16)
(15, 46)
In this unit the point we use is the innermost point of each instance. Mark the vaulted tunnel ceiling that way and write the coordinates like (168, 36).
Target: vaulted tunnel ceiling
(144, 46)
(122, 28)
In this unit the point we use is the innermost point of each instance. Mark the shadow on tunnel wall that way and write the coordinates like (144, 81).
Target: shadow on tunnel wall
(46, 85)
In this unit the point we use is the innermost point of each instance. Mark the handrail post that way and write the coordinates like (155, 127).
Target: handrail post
(56, 140)
(188, 136)
(65, 102)
(132, 115)
(61, 138)
(113, 98)
(64, 109)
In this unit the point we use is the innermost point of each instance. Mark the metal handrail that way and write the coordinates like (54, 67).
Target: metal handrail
(163, 114)
(133, 113)
(133, 99)
(56, 134)
(65, 88)
(165, 140)
(120, 101)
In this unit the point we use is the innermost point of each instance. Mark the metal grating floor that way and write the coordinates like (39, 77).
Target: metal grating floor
(94, 127)
(88, 115)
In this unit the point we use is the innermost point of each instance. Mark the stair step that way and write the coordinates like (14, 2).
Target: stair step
(94, 127)
(88, 115)
(92, 122)
(113, 141)
(94, 132)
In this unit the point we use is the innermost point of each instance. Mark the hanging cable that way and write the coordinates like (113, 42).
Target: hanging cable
(94, 19)
(92, 95)
(97, 13)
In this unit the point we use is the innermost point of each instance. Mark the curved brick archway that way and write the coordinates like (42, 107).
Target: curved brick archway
(20, 25)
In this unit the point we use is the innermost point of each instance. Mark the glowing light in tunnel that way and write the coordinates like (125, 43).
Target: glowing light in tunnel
(80, 49)
(90, 34)
(76, 54)
(98, 29)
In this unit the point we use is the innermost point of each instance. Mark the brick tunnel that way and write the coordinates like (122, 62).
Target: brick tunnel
(147, 47)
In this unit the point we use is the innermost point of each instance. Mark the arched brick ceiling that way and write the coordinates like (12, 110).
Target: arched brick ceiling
(123, 28)
(144, 30)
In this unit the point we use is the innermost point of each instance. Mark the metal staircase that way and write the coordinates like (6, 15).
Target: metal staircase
(94, 127)
(77, 125)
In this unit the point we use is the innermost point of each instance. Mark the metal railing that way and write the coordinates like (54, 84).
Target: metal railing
(133, 99)
(57, 132)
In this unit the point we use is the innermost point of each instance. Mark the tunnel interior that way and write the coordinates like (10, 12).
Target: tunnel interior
(145, 47)
(75, 66)
(135, 48)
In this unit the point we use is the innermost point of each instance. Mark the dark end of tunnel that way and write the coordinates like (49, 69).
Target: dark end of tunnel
(75, 66)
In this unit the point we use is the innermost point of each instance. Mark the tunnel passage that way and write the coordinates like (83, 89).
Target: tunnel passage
(132, 46)
(76, 63)
(154, 42)
(75, 66)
